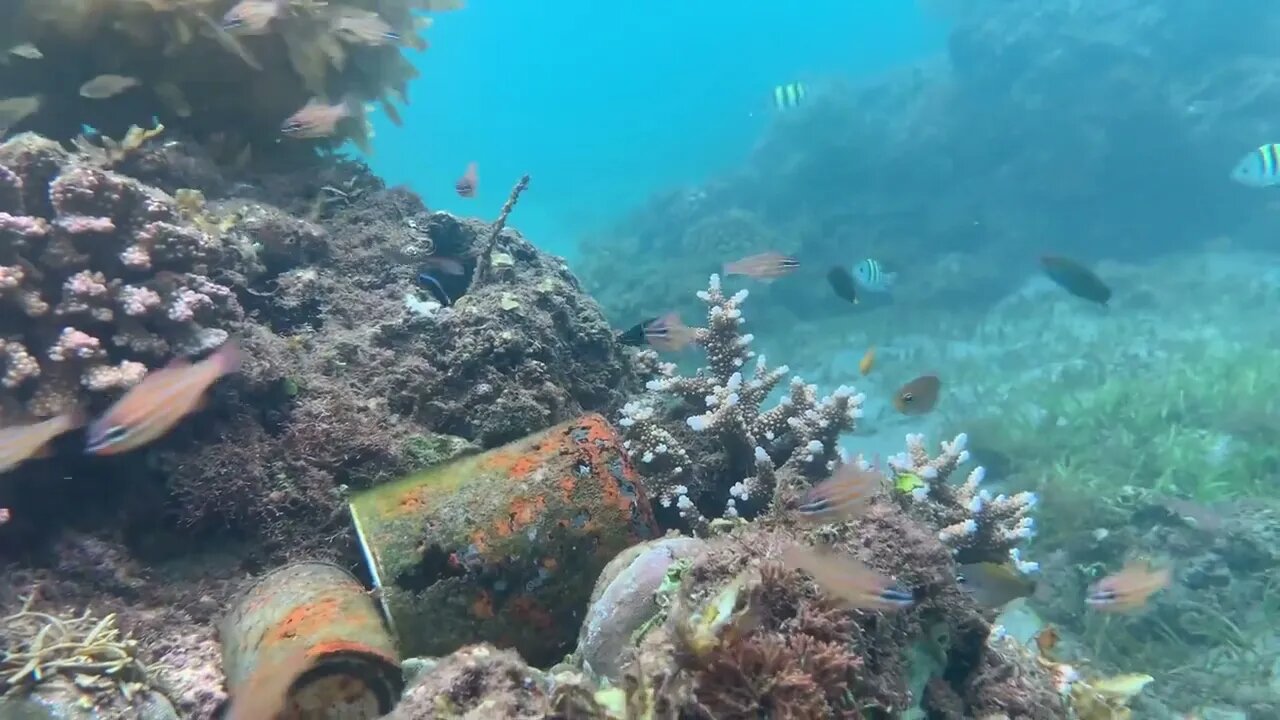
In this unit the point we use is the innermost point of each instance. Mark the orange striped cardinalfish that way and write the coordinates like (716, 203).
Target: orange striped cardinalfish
(765, 266)
(319, 120)
(21, 443)
(361, 27)
(669, 333)
(843, 495)
(152, 407)
(251, 17)
(846, 578)
(1129, 588)
(466, 185)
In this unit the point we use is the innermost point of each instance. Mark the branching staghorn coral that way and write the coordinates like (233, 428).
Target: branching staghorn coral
(977, 526)
(88, 651)
(715, 416)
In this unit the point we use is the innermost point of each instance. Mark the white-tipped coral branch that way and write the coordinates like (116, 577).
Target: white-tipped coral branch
(976, 526)
(715, 416)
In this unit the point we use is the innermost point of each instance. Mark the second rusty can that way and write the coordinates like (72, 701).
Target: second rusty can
(312, 615)
(504, 546)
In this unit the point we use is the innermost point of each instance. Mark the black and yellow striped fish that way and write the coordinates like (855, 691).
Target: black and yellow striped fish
(789, 96)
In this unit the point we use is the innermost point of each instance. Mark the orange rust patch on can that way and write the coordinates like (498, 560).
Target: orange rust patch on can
(518, 462)
(308, 619)
(333, 647)
(567, 486)
(598, 429)
(482, 606)
(526, 608)
(523, 512)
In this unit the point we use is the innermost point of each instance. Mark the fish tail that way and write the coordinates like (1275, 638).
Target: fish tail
(227, 358)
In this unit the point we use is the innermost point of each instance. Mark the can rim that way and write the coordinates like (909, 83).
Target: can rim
(375, 575)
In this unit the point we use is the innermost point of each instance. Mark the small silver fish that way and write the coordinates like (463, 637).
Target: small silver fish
(16, 109)
(26, 50)
(108, 85)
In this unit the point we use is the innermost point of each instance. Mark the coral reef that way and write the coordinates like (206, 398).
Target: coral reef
(750, 451)
(1027, 114)
(202, 73)
(353, 375)
(104, 277)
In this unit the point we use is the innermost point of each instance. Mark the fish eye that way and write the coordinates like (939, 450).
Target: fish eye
(908, 397)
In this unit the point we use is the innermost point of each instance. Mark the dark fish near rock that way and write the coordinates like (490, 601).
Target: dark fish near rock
(436, 289)
(841, 281)
(635, 336)
(1075, 278)
(918, 396)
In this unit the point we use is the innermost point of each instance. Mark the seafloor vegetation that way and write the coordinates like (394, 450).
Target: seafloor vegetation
(421, 510)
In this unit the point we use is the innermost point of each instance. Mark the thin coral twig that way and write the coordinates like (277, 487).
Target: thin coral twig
(485, 258)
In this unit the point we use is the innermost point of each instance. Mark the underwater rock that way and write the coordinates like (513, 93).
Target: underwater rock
(319, 612)
(505, 546)
(627, 597)
(63, 701)
(476, 682)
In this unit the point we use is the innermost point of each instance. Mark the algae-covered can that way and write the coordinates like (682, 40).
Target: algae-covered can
(320, 612)
(505, 546)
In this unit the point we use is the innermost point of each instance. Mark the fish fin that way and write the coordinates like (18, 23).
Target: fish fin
(890, 278)
(177, 361)
(227, 358)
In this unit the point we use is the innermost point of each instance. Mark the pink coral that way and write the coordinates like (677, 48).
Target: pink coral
(118, 263)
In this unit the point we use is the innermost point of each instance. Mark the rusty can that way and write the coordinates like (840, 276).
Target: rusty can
(505, 546)
(317, 611)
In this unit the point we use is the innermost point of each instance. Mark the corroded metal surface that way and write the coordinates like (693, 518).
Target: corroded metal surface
(504, 546)
(320, 612)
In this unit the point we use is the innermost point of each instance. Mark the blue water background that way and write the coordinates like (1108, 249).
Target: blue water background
(604, 103)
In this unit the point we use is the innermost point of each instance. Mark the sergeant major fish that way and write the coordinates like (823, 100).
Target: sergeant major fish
(789, 96)
(872, 277)
(152, 407)
(1260, 168)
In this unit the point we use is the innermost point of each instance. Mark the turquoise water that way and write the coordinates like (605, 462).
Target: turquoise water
(605, 103)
